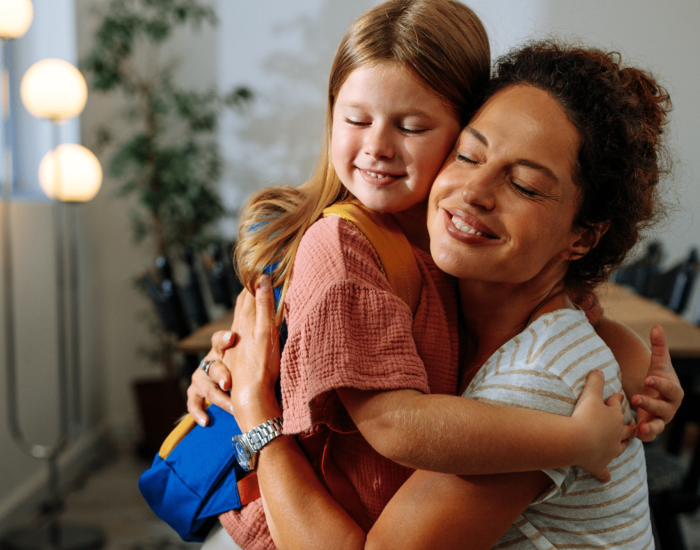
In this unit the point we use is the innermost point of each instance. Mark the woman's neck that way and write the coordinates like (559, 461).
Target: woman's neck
(494, 313)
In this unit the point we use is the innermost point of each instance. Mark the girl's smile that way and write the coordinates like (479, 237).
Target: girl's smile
(390, 136)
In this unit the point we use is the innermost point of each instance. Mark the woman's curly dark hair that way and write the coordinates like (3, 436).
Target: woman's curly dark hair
(620, 113)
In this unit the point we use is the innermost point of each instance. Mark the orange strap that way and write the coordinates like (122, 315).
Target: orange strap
(392, 247)
(248, 488)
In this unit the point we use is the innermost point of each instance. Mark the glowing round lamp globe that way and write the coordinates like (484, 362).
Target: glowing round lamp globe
(15, 17)
(76, 178)
(53, 88)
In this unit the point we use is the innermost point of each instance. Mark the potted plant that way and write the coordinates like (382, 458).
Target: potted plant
(170, 162)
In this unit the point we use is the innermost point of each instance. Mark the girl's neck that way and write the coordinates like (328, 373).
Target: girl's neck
(413, 222)
(494, 313)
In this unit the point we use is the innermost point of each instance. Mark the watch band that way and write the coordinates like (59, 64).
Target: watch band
(261, 435)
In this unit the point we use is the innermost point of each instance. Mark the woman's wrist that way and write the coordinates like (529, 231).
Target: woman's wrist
(253, 406)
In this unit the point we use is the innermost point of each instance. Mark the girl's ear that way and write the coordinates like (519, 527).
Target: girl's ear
(587, 239)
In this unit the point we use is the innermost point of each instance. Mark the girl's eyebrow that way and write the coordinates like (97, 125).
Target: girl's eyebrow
(413, 112)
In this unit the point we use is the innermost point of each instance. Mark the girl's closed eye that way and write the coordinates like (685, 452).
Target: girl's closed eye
(413, 131)
(357, 122)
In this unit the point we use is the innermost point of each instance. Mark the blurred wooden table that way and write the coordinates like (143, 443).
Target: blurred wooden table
(640, 314)
(620, 304)
(200, 340)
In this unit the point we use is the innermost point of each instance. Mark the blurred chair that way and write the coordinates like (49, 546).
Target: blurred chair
(166, 300)
(637, 274)
(192, 294)
(673, 287)
(222, 292)
(673, 486)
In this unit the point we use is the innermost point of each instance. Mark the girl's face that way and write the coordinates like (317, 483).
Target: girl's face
(503, 206)
(390, 137)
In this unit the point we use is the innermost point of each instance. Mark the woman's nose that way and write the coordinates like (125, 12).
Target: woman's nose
(379, 143)
(480, 189)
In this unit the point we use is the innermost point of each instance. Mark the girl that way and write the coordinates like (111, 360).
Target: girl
(357, 364)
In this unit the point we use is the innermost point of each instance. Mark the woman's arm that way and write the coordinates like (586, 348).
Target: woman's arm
(430, 510)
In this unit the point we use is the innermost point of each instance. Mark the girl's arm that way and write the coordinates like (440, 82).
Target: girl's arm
(430, 510)
(655, 390)
(451, 434)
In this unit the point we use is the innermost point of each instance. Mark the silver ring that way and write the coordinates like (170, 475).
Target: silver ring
(205, 364)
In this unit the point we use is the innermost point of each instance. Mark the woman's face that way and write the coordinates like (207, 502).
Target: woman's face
(391, 135)
(502, 208)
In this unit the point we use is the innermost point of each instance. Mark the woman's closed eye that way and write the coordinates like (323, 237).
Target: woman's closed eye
(524, 190)
(461, 157)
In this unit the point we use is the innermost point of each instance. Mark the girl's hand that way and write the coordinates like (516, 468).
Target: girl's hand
(662, 393)
(604, 434)
(254, 362)
(203, 386)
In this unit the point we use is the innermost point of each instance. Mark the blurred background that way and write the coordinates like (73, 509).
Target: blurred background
(188, 114)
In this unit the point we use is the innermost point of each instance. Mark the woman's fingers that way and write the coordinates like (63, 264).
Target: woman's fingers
(201, 388)
(264, 309)
(222, 340)
(220, 375)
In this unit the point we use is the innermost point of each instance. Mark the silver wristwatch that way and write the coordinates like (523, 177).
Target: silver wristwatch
(248, 445)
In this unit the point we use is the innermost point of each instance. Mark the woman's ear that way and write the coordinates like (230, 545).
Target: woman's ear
(587, 239)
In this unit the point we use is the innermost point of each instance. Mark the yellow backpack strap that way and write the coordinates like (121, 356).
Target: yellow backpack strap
(179, 432)
(394, 252)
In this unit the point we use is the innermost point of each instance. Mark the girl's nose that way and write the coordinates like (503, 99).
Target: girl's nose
(379, 143)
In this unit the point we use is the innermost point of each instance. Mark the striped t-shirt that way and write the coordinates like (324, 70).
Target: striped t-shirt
(545, 368)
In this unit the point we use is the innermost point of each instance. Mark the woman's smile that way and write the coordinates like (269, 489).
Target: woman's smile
(502, 208)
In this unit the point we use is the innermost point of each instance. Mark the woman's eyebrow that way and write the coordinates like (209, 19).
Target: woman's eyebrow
(543, 169)
(478, 135)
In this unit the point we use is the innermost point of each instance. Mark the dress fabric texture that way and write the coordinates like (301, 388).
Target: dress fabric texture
(348, 329)
(545, 368)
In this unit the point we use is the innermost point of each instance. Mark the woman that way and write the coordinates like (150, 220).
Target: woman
(557, 172)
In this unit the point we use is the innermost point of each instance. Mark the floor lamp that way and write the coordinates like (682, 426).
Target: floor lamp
(56, 90)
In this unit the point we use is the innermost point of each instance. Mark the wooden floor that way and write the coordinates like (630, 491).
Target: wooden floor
(110, 499)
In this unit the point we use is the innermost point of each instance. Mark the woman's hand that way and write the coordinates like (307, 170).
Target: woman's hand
(662, 393)
(604, 434)
(203, 386)
(254, 362)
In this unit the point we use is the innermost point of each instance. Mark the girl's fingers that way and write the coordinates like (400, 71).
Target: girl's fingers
(660, 357)
(649, 430)
(655, 407)
(670, 390)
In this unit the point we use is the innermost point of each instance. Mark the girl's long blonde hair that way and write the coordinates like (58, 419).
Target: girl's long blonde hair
(442, 41)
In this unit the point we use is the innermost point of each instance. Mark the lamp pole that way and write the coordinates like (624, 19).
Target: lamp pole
(54, 535)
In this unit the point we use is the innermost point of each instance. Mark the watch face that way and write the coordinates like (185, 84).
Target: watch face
(241, 453)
